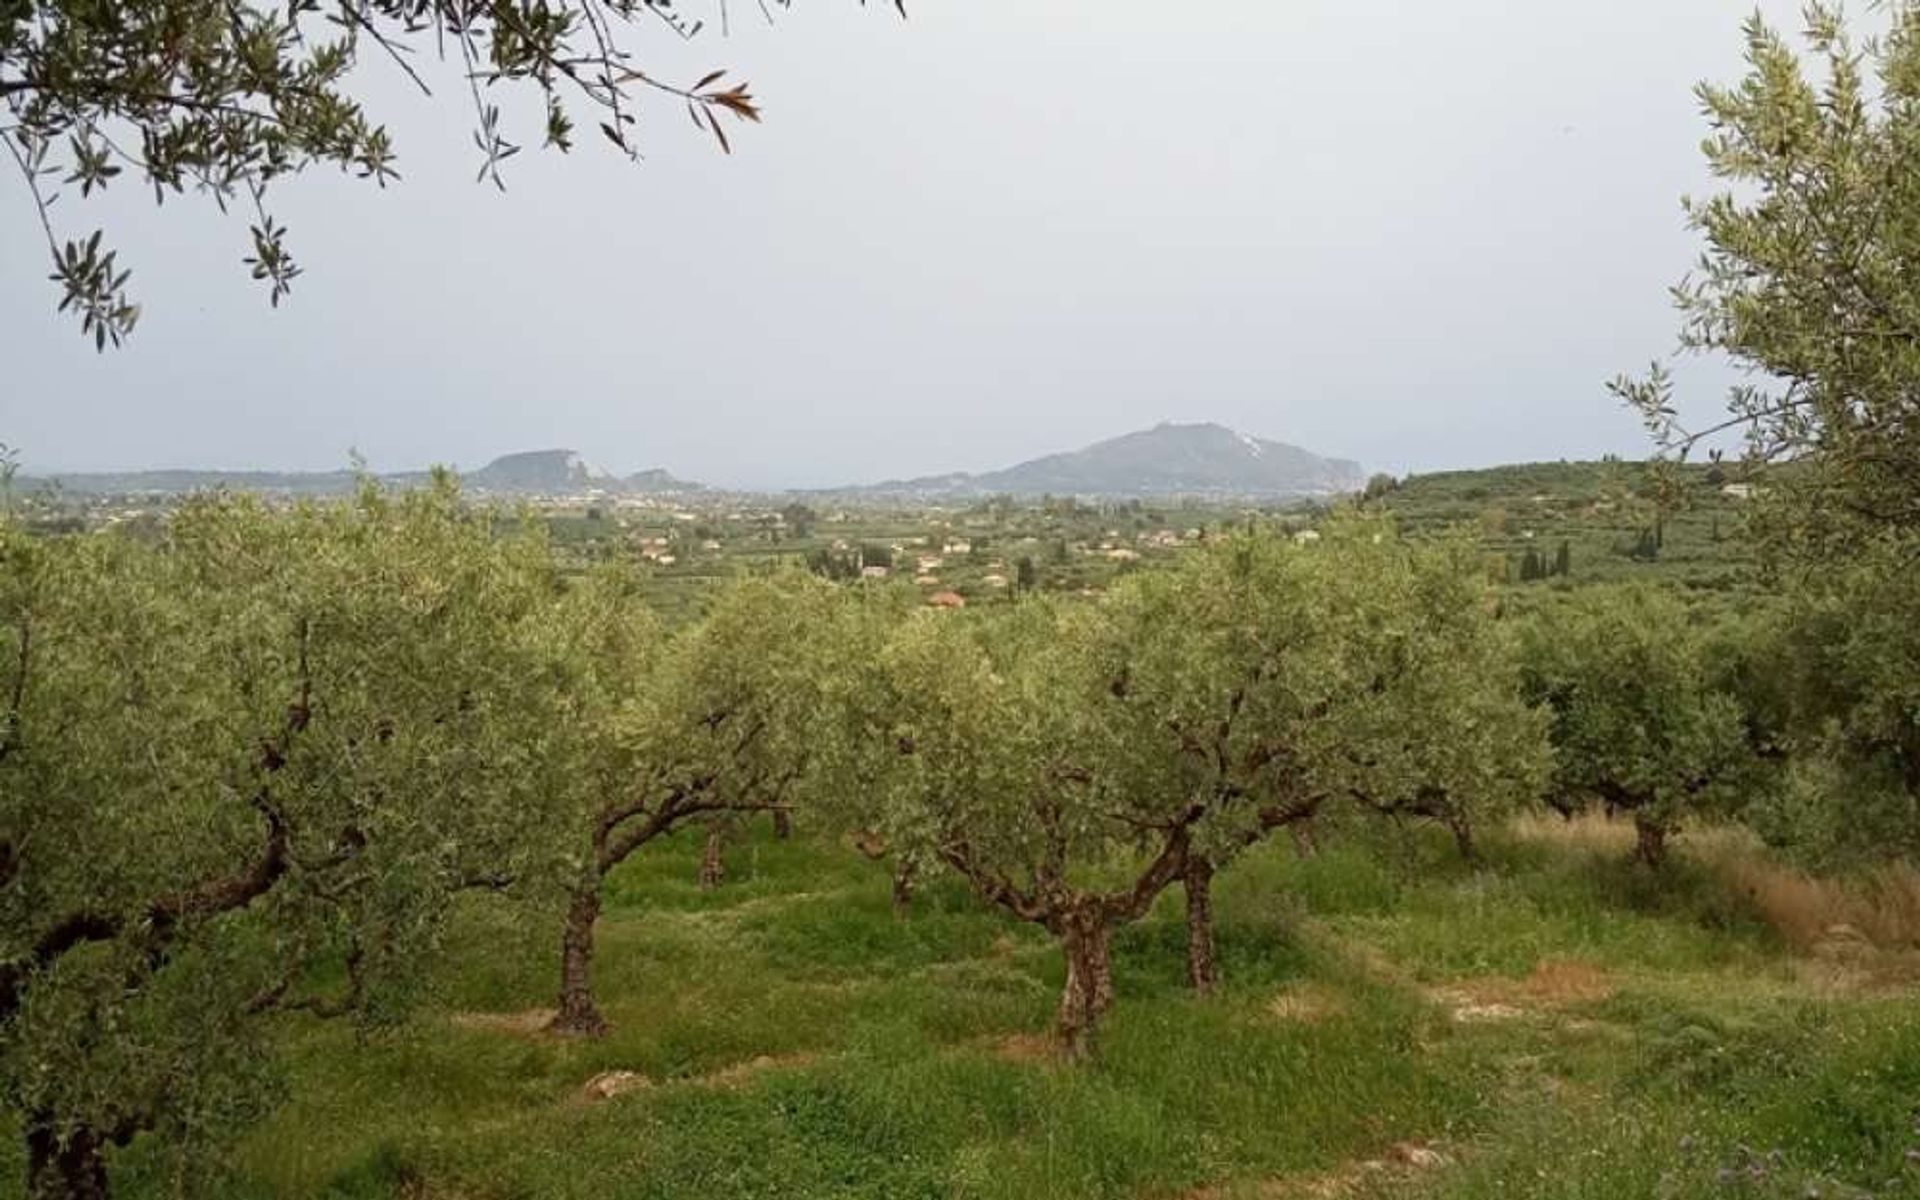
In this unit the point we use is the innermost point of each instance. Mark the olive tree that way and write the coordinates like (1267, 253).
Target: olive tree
(721, 719)
(1807, 281)
(242, 771)
(1807, 278)
(1638, 723)
(1443, 731)
(1846, 671)
(989, 752)
(1223, 675)
(228, 100)
(1270, 681)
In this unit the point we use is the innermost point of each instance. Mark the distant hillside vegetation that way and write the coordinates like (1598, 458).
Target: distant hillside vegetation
(1614, 518)
(548, 472)
(1202, 460)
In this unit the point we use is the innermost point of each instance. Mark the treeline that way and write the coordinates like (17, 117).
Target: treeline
(247, 766)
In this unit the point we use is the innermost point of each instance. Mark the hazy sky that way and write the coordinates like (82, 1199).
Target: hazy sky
(1419, 234)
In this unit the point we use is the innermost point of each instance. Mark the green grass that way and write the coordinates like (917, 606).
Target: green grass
(890, 1073)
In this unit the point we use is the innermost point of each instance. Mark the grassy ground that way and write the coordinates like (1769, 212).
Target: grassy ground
(1394, 1024)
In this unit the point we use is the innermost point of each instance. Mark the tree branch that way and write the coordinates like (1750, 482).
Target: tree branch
(993, 887)
(161, 918)
(1133, 903)
(10, 728)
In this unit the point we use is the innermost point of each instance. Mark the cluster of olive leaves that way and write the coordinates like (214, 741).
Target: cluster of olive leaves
(224, 99)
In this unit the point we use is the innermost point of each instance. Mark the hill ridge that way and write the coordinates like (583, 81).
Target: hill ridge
(1170, 458)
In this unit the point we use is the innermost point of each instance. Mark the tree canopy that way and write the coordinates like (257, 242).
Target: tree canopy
(1807, 282)
(228, 100)
(266, 743)
(1639, 723)
(725, 716)
(1807, 276)
(1073, 761)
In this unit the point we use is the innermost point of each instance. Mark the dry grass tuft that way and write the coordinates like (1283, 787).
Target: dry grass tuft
(1590, 832)
(1831, 917)
(1828, 917)
(1309, 1003)
(1598, 834)
(1557, 982)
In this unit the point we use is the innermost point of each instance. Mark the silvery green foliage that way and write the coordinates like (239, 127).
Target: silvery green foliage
(269, 742)
(978, 743)
(1070, 760)
(1848, 666)
(1809, 280)
(229, 100)
(736, 713)
(1276, 682)
(1257, 681)
(1441, 729)
(1807, 277)
(1639, 723)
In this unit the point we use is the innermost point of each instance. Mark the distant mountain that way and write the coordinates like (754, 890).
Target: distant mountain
(1169, 459)
(540, 472)
(658, 480)
(1200, 461)
(102, 483)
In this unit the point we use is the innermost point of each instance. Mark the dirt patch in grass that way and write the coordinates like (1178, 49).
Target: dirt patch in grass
(531, 1023)
(1554, 985)
(1028, 1048)
(1400, 1163)
(609, 1084)
(743, 1072)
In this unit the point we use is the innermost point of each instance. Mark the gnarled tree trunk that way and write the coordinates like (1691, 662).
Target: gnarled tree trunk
(1462, 830)
(578, 1013)
(782, 824)
(713, 864)
(905, 874)
(74, 1169)
(1305, 843)
(1086, 938)
(1197, 881)
(1650, 842)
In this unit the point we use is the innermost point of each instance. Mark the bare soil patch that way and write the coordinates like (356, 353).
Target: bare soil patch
(1399, 1163)
(1554, 984)
(609, 1084)
(531, 1023)
(1021, 1048)
(743, 1072)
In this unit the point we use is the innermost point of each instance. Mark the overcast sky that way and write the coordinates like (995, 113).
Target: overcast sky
(1418, 234)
